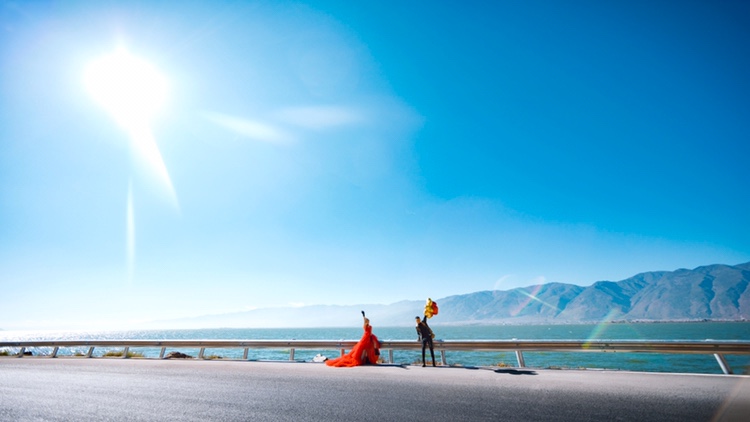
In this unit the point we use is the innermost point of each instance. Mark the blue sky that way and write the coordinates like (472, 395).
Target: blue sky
(345, 153)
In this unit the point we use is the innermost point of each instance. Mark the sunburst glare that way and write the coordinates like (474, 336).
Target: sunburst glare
(128, 87)
(133, 91)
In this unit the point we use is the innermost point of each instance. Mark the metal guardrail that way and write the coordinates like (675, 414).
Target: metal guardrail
(716, 348)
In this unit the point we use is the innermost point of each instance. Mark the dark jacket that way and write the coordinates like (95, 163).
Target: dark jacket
(423, 331)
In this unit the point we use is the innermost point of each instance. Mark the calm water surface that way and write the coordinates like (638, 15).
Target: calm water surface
(739, 331)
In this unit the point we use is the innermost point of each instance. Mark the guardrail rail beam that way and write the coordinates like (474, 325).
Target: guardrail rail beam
(718, 348)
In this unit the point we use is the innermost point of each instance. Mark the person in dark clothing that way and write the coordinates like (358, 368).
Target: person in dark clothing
(425, 336)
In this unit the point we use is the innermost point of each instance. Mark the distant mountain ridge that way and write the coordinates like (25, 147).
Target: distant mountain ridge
(715, 292)
(712, 292)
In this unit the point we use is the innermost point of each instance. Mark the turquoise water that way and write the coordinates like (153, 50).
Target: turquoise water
(621, 331)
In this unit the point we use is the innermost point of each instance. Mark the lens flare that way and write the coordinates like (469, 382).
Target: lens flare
(130, 235)
(599, 330)
(530, 296)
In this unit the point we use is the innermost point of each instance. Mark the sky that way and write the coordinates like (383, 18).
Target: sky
(161, 160)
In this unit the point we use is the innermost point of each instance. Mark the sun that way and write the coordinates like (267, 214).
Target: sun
(131, 89)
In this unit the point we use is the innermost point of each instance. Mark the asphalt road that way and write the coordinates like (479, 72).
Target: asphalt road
(75, 389)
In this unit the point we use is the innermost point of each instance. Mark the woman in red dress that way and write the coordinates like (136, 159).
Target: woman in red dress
(365, 352)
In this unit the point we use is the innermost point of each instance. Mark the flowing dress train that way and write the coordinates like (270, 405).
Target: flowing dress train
(363, 353)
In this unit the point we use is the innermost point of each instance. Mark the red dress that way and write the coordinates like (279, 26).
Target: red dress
(363, 353)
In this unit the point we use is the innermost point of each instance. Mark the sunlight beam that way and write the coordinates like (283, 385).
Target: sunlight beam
(130, 234)
(146, 149)
(133, 91)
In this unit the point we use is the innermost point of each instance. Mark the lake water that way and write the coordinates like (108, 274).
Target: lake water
(738, 331)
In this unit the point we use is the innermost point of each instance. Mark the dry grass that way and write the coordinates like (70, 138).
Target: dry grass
(212, 357)
(121, 353)
(428, 362)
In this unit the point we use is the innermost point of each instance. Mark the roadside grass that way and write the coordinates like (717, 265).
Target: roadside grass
(121, 353)
(212, 357)
(428, 362)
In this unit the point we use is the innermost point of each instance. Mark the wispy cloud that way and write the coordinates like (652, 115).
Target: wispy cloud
(319, 117)
(249, 128)
(284, 124)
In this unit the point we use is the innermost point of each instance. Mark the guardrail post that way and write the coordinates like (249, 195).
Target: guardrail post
(442, 357)
(54, 352)
(291, 353)
(390, 355)
(125, 352)
(91, 352)
(723, 363)
(161, 354)
(200, 354)
(343, 352)
(244, 355)
(519, 358)
(21, 352)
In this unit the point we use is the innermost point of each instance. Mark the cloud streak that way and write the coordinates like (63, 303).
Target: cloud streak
(253, 129)
(319, 117)
(289, 123)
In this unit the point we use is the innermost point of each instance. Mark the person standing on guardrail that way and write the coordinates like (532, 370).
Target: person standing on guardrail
(425, 336)
(365, 352)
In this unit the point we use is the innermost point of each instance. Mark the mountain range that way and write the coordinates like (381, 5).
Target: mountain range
(712, 292)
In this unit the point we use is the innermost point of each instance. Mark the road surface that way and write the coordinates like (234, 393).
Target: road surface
(75, 389)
